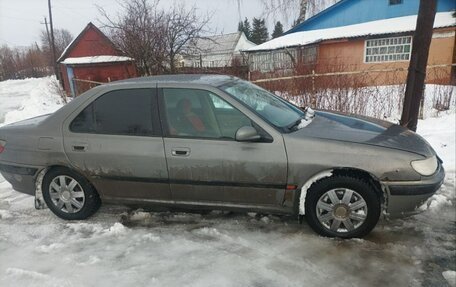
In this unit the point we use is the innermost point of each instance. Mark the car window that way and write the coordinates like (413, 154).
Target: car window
(201, 114)
(271, 108)
(83, 123)
(121, 112)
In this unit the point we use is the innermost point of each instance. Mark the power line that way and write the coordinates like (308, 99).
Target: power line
(63, 9)
(22, 19)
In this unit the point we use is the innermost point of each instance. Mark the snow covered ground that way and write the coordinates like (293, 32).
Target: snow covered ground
(21, 99)
(123, 247)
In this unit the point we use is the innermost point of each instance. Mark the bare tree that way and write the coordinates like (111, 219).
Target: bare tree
(62, 38)
(7, 63)
(16, 63)
(154, 37)
(139, 31)
(184, 27)
(306, 8)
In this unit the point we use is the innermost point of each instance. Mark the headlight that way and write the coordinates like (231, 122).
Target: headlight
(426, 166)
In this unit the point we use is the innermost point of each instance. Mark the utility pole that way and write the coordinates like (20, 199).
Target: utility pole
(47, 31)
(418, 62)
(54, 58)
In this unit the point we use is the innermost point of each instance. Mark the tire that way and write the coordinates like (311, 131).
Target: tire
(69, 195)
(342, 206)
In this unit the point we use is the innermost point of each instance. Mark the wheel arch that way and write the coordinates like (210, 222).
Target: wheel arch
(48, 168)
(340, 171)
(91, 198)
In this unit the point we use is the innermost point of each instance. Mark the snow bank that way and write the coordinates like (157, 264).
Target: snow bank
(441, 134)
(450, 276)
(22, 99)
(33, 278)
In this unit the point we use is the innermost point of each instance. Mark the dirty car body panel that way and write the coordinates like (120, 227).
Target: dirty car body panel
(160, 164)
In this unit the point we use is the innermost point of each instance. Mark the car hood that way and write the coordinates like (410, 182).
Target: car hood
(363, 130)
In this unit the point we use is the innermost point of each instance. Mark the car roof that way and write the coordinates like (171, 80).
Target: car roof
(199, 79)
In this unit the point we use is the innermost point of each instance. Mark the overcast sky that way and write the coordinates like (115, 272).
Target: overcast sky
(20, 19)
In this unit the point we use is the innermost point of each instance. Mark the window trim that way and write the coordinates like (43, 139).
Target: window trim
(156, 127)
(164, 119)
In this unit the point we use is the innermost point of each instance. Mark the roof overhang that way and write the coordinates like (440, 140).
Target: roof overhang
(379, 27)
(96, 60)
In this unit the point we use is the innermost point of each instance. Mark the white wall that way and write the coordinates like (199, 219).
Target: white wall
(243, 43)
(217, 60)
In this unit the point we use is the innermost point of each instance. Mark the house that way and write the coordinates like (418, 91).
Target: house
(360, 37)
(218, 51)
(92, 58)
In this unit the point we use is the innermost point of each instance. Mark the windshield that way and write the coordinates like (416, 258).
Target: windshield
(271, 108)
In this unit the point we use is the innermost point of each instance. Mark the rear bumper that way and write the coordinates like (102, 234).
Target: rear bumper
(404, 197)
(21, 177)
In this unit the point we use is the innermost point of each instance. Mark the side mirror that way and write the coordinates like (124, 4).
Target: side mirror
(247, 134)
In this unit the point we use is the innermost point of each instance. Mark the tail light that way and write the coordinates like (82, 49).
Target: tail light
(2, 146)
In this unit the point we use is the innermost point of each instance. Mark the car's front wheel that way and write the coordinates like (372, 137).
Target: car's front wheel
(69, 195)
(342, 206)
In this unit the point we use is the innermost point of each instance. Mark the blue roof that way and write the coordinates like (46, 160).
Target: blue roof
(349, 12)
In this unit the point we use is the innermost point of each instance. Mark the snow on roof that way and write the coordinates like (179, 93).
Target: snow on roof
(67, 48)
(96, 59)
(219, 43)
(386, 26)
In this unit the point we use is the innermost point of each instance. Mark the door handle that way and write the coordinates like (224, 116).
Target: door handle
(180, 151)
(79, 147)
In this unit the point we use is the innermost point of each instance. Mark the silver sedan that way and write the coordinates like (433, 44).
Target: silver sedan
(217, 142)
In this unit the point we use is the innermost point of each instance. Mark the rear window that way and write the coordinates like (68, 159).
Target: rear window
(121, 112)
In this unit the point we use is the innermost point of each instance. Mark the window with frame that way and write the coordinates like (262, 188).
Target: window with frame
(309, 54)
(122, 112)
(388, 49)
(395, 2)
(262, 61)
(201, 114)
(282, 59)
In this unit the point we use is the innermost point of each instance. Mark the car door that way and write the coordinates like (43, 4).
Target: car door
(115, 140)
(206, 164)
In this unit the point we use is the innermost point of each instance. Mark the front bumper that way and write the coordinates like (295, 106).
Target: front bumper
(22, 178)
(404, 197)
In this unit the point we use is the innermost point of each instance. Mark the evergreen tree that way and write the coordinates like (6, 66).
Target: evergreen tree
(241, 26)
(259, 31)
(295, 23)
(278, 30)
(245, 27)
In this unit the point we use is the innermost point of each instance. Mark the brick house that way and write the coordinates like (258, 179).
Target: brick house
(359, 38)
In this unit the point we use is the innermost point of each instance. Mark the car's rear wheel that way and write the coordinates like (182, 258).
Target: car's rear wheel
(342, 206)
(69, 195)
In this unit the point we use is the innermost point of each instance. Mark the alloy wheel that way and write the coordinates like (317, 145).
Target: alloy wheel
(67, 194)
(341, 210)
